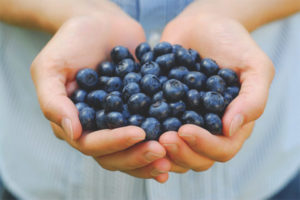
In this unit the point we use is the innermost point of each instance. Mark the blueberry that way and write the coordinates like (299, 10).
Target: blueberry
(132, 77)
(113, 84)
(186, 88)
(136, 120)
(113, 103)
(152, 128)
(96, 98)
(162, 48)
(124, 67)
(198, 67)
(117, 93)
(213, 123)
(150, 68)
(160, 110)
(79, 96)
(227, 98)
(195, 55)
(215, 83)
(150, 84)
(137, 67)
(166, 61)
(100, 120)
(163, 79)
(115, 120)
(87, 118)
(81, 105)
(171, 124)
(209, 66)
(87, 79)
(177, 108)
(178, 73)
(191, 117)
(159, 96)
(125, 111)
(130, 89)
(213, 102)
(183, 57)
(102, 81)
(193, 99)
(147, 57)
(173, 90)
(119, 53)
(106, 68)
(202, 94)
(141, 49)
(233, 91)
(138, 103)
(229, 76)
(176, 47)
(195, 80)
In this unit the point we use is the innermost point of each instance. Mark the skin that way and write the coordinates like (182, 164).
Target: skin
(85, 32)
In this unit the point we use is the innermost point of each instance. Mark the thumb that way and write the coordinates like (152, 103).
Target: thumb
(249, 105)
(54, 102)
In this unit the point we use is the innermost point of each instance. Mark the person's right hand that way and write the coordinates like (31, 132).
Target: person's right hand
(84, 41)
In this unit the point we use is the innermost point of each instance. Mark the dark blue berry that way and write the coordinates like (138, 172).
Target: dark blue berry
(139, 103)
(213, 102)
(152, 128)
(125, 111)
(193, 99)
(173, 90)
(117, 93)
(162, 79)
(87, 118)
(150, 68)
(124, 67)
(215, 83)
(183, 57)
(198, 67)
(160, 110)
(136, 120)
(162, 48)
(213, 123)
(195, 55)
(87, 79)
(115, 120)
(191, 117)
(141, 49)
(186, 88)
(106, 68)
(130, 89)
(79, 96)
(132, 77)
(96, 98)
(102, 81)
(177, 108)
(119, 53)
(81, 105)
(100, 120)
(150, 84)
(147, 57)
(195, 80)
(227, 98)
(166, 62)
(159, 96)
(176, 47)
(171, 124)
(178, 73)
(233, 91)
(113, 84)
(137, 67)
(229, 76)
(209, 67)
(113, 103)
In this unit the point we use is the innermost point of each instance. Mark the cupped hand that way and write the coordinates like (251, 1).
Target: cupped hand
(84, 41)
(226, 41)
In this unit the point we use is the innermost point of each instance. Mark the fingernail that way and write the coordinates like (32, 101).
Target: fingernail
(173, 148)
(189, 138)
(156, 172)
(136, 139)
(150, 156)
(67, 126)
(236, 124)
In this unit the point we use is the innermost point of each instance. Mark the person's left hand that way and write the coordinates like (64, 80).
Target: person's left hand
(225, 40)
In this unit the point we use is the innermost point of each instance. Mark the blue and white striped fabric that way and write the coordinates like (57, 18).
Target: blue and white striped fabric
(36, 165)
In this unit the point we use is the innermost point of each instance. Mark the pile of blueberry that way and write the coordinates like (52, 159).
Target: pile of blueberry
(169, 87)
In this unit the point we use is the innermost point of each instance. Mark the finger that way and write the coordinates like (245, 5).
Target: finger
(54, 102)
(135, 157)
(157, 170)
(103, 142)
(181, 154)
(176, 168)
(58, 131)
(218, 148)
(250, 103)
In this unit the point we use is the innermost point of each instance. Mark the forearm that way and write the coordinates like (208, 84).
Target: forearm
(49, 15)
(251, 13)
